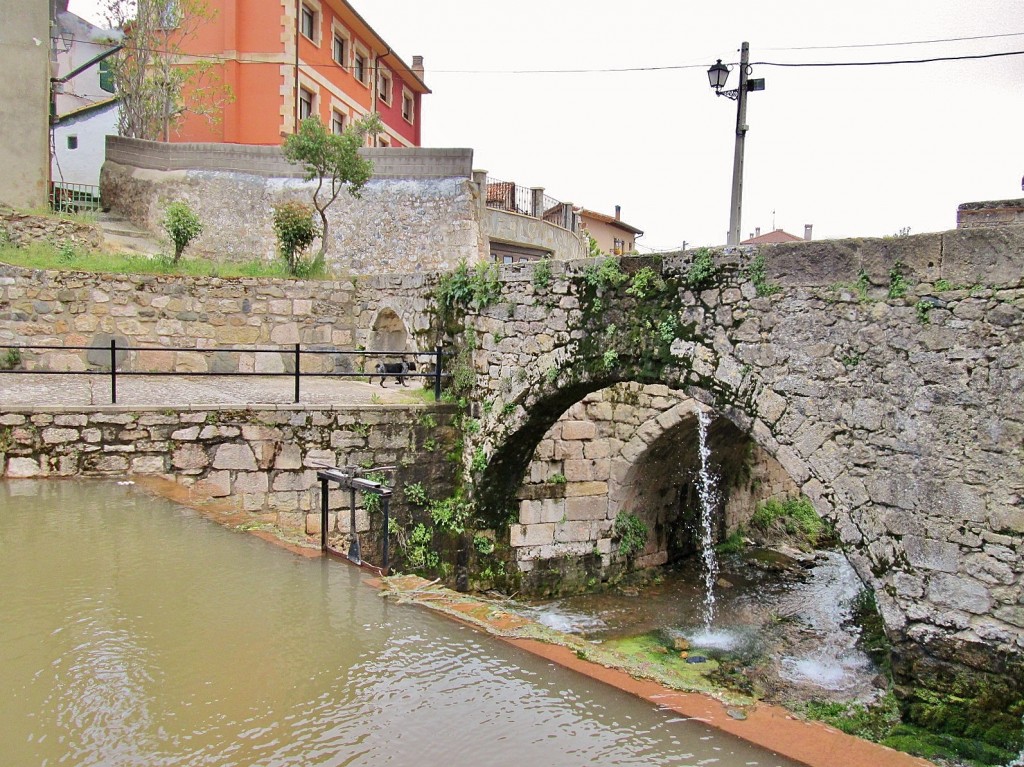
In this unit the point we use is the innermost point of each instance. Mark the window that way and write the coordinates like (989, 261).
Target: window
(619, 248)
(72, 142)
(384, 86)
(305, 103)
(408, 106)
(337, 122)
(340, 50)
(106, 76)
(384, 143)
(359, 66)
(307, 23)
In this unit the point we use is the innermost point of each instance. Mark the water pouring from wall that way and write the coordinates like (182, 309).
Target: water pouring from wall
(707, 488)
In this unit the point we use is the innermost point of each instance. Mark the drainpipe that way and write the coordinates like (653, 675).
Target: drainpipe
(298, 16)
(375, 88)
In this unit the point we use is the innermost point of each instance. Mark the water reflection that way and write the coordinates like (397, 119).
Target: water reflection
(134, 632)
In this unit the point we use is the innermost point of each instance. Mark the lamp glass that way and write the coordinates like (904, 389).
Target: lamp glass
(718, 74)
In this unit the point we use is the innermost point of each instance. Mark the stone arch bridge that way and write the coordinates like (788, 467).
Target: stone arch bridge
(882, 377)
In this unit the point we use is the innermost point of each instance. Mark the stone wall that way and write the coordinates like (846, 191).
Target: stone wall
(23, 229)
(261, 460)
(396, 225)
(66, 308)
(974, 215)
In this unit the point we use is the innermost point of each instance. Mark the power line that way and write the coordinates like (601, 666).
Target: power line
(704, 65)
(887, 63)
(906, 42)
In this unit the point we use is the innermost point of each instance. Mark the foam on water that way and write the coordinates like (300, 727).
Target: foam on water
(715, 639)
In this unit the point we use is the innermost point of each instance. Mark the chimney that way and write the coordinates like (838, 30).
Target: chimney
(807, 231)
(417, 66)
(618, 212)
(757, 231)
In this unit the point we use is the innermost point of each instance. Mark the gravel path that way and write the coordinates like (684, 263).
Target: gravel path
(28, 390)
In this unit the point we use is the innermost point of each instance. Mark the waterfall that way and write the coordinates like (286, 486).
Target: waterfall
(708, 490)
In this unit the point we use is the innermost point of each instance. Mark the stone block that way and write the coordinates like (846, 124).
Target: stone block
(148, 464)
(577, 430)
(218, 432)
(532, 535)
(216, 484)
(190, 457)
(70, 419)
(185, 435)
(586, 508)
(236, 457)
(573, 532)
(959, 593)
(20, 468)
(251, 482)
(930, 554)
(290, 457)
(294, 481)
(56, 436)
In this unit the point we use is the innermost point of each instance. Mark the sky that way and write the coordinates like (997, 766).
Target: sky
(857, 151)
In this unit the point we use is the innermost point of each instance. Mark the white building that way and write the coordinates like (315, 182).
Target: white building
(85, 108)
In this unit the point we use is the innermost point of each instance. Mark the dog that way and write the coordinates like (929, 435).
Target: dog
(397, 369)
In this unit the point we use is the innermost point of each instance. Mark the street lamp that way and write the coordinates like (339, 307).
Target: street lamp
(718, 73)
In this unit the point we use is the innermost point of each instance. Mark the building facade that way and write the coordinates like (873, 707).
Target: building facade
(24, 104)
(285, 60)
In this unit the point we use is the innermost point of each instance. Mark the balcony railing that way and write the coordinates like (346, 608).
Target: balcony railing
(529, 201)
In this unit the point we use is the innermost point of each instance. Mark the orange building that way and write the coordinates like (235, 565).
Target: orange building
(285, 60)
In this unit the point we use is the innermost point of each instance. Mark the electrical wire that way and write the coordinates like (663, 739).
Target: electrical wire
(887, 63)
(906, 42)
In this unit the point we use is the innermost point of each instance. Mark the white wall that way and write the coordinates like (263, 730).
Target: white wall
(82, 165)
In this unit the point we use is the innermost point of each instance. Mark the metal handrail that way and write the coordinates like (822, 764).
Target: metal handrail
(296, 351)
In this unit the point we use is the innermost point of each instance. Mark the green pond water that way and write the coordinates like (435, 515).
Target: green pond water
(136, 632)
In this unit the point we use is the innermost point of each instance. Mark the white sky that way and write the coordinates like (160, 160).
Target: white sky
(855, 151)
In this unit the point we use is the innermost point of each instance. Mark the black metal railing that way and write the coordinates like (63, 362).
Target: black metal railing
(529, 201)
(14, 362)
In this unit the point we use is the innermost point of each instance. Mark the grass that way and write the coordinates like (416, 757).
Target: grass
(46, 256)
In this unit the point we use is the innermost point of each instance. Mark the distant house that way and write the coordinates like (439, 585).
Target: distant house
(85, 109)
(776, 237)
(287, 61)
(613, 235)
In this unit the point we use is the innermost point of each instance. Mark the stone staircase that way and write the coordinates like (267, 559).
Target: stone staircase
(120, 234)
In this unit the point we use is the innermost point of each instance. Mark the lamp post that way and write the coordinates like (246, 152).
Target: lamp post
(717, 75)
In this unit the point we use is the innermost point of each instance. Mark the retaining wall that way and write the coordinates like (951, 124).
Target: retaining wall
(262, 460)
(87, 309)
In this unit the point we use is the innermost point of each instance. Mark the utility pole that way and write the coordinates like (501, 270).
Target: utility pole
(717, 75)
(736, 206)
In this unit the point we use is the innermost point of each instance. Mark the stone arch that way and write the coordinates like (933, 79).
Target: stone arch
(630, 449)
(388, 332)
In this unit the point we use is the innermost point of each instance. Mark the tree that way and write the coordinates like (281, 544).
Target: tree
(333, 160)
(155, 83)
(182, 225)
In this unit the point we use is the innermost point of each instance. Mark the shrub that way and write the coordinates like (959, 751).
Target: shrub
(295, 230)
(182, 225)
(631, 532)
